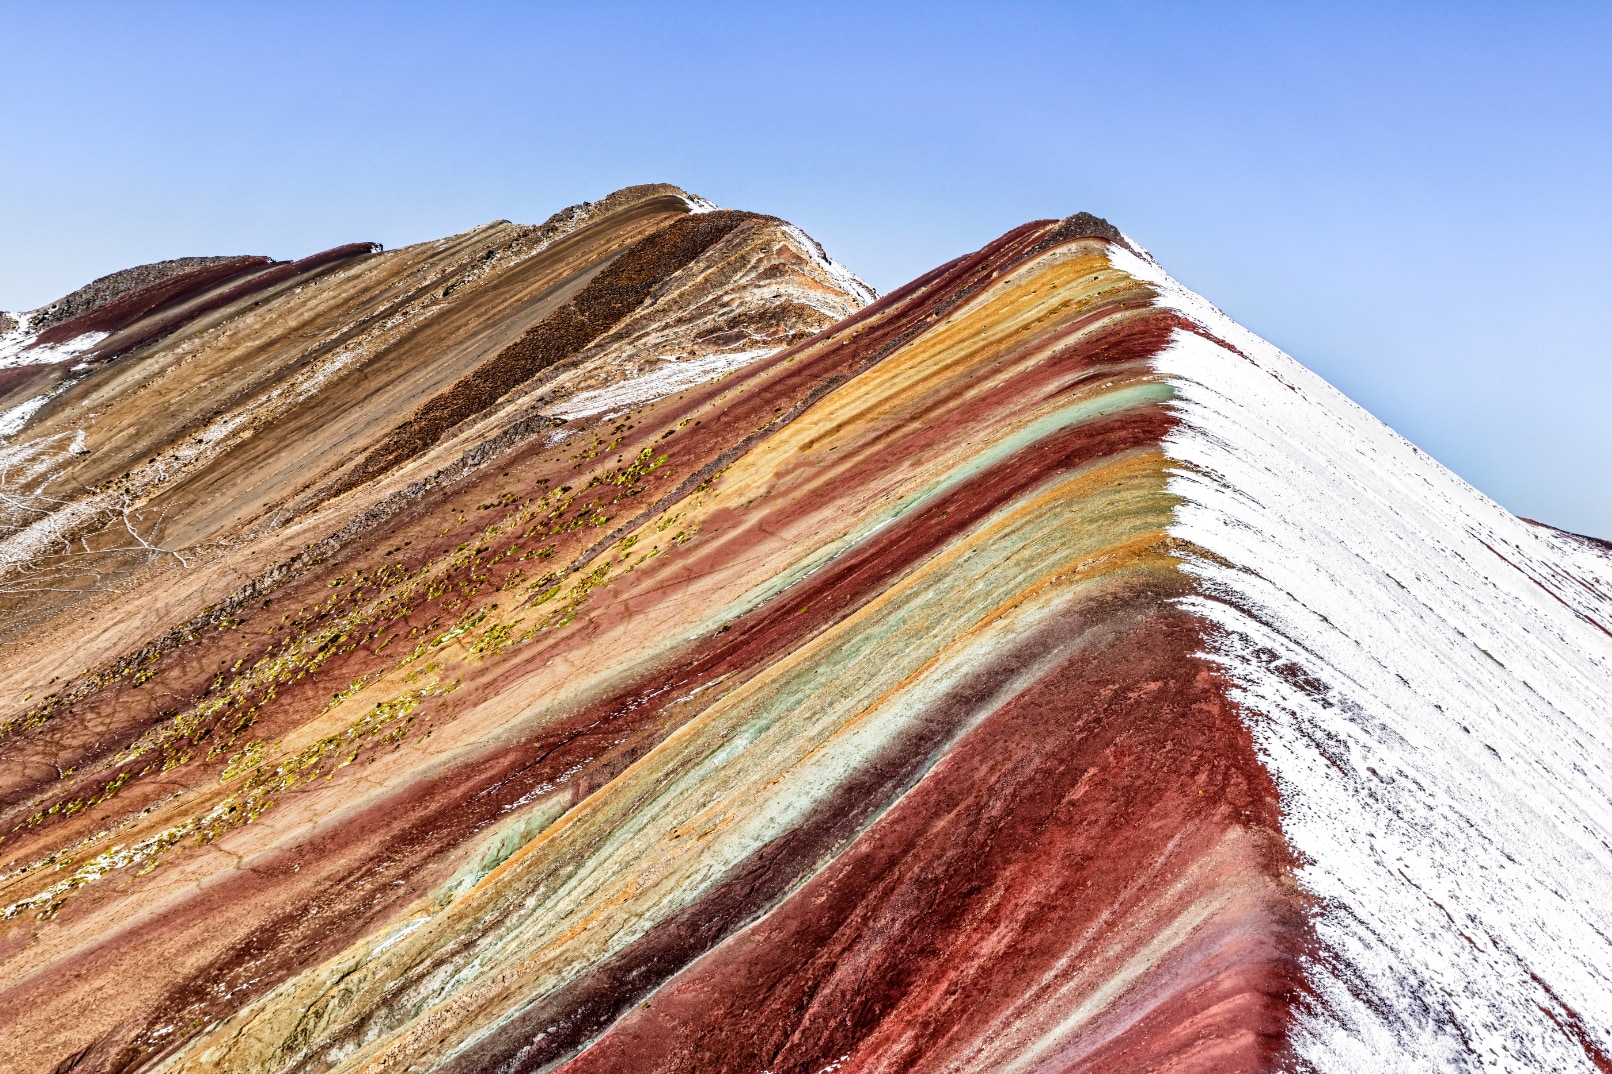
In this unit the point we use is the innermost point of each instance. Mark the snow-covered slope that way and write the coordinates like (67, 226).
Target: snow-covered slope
(1427, 677)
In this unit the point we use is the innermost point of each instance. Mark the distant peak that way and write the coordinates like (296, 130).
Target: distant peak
(115, 285)
(1086, 225)
(626, 198)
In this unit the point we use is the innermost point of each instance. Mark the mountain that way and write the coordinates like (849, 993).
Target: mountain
(624, 644)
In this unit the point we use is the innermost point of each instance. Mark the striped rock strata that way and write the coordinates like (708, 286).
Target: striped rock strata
(1032, 671)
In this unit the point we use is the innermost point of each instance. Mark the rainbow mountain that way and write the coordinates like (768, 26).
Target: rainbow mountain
(629, 644)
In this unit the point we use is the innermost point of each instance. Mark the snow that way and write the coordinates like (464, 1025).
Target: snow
(58, 519)
(13, 420)
(17, 346)
(675, 376)
(1429, 680)
(842, 277)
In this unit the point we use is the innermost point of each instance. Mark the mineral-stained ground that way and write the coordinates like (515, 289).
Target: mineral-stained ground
(627, 645)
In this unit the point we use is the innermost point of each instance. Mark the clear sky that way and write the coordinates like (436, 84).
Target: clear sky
(1414, 200)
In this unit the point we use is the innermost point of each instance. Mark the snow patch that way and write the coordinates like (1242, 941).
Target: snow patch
(12, 421)
(843, 278)
(400, 933)
(675, 376)
(17, 346)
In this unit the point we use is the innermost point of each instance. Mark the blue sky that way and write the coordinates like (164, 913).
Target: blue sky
(1414, 200)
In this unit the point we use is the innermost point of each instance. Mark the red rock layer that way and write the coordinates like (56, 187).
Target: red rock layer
(125, 310)
(1116, 801)
(142, 317)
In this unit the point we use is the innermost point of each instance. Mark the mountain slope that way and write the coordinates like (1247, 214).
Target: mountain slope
(1428, 679)
(1031, 671)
